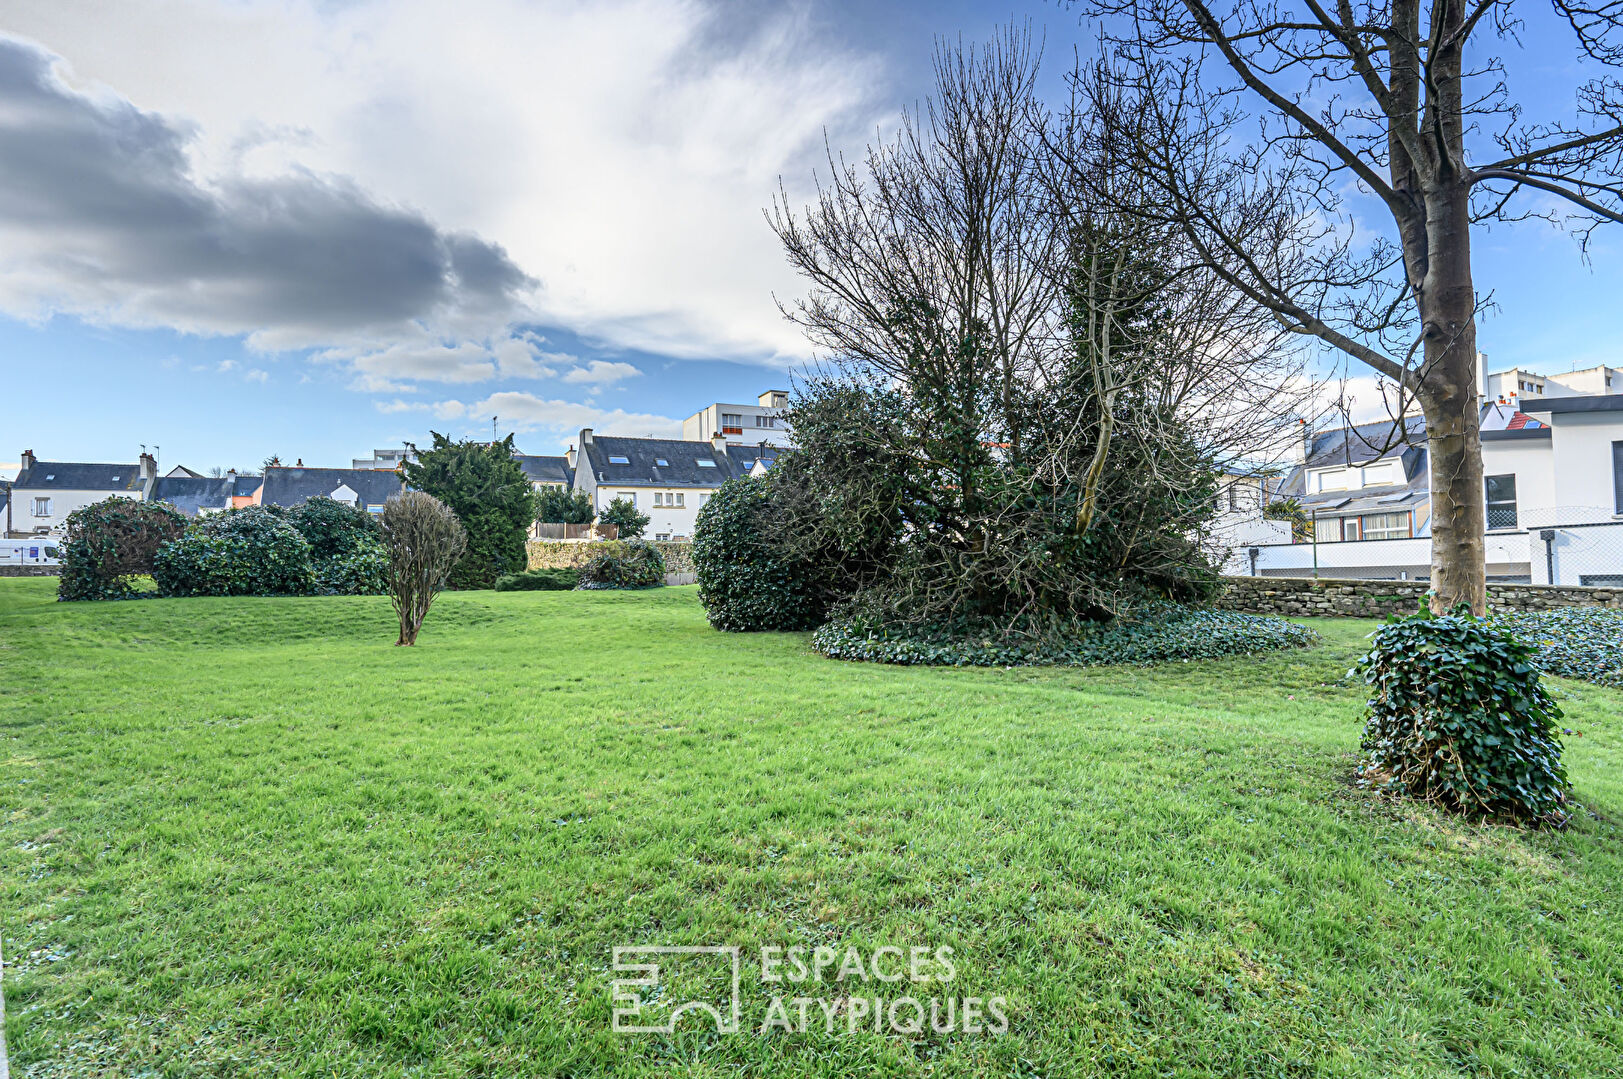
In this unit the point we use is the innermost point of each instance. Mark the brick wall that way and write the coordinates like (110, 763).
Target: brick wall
(554, 554)
(1325, 596)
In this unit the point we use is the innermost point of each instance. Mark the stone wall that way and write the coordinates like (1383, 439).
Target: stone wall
(1332, 597)
(558, 554)
(31, 569)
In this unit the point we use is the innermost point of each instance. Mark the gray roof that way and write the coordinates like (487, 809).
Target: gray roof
(1361, 444)
(546, 469)
(77, 476)
(247, 484)
(191, 494)
(680, 457)
(291, 486)
(1610, 402)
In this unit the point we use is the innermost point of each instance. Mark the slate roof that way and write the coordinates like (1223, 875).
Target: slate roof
(546, 469)
(291, 486)
(191, 494)
(77, 476)
(681, 468)
(246, 485)
(1358, 445)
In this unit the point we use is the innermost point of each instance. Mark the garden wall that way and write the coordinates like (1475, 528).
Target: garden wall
(31, 570)
(1327, 596)
(555, 554)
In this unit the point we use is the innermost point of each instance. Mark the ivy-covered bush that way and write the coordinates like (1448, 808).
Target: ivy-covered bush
(748, 580)
(539, 580)
(333, 528)
(623, 564)
(242, 552)
(110, 541)
(360, 570)
(1576, 642)
(1459, 718)
(1156, 633)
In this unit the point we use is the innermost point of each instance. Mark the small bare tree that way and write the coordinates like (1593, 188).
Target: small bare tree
(1268, 125)
(424, 539)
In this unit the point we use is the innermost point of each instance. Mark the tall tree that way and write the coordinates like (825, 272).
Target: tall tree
(490, 495)
(1267, 125)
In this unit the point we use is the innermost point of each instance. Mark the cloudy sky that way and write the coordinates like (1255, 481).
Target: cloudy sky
(234, 228)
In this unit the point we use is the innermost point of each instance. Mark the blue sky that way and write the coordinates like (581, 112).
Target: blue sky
(345, 224)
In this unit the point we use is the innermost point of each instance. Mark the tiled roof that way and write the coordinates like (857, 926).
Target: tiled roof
(77, 476)
(291, 486)
(546, 469)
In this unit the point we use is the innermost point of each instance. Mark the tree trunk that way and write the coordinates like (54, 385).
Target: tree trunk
(1448, 395)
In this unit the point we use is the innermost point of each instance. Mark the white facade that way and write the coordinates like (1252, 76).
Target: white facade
(742, 425)
(672, 511)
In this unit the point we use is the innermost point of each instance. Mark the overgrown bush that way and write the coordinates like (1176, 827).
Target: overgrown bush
(333, 528)
(1459, 718)
(539, 580)
(1155, 633)
(110, 541)
(748, 578)
(241, 552)
(1576, 642)
(360, 570)
(623, 564)
(424, 539)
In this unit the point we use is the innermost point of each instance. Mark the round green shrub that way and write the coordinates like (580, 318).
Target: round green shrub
(1459, 718)
(539, 580)
(333, 528)
(360, 570)
(243, 552)
(1576, 642)
(623, 564)
(110, 541)
(746, 581)
(1158, 633)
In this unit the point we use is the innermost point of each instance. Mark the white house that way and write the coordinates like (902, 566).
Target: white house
(668, 479)
(742, 425)
(46, 492)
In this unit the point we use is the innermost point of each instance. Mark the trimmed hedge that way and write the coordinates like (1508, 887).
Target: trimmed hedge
(623, 564)
(242, 552)
(1460, 718)
(1576, 642)
(746, 582)
(539, 580)
(108, 542)
(1153, 634)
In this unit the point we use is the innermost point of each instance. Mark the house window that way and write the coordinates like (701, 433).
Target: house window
(1327, 529)
(680, 499)
(662, 535)
(1386, 526)
(1617, 476)
(1234, 496)
(1349, 529)
(1501, 501)
(617, 459)
(766, 421)
(1382, 473)
(1335, 479)
(661, 462)
(732, 419)
(629, 496)
(42, 507)
(705, 462)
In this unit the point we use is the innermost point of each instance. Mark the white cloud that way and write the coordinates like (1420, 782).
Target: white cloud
(527, 413)
(257, 374)
(601, 373)
(397, 405)
(619, 151)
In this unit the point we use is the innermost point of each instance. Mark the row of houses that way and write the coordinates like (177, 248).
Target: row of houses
(668, 479)
(1552, 456)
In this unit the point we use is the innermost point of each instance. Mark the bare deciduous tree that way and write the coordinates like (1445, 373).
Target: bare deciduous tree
(1399, 102)
(424, 539)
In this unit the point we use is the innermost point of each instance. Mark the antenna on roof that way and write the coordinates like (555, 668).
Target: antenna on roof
(493, 437)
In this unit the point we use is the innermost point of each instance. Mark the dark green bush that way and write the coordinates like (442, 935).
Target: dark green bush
(747, 579)
(110, 541)
(1459, 718)
(333, 528)
(1154, 633)
(623, 564)
(539, 580)
(626, 517)
(360, 570)
(1577, 642)
(242, 552)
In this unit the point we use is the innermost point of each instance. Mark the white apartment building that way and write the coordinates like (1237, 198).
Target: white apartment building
(742, 425)
(668, 479)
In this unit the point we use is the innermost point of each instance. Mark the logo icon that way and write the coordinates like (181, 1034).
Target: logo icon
(631, 1006)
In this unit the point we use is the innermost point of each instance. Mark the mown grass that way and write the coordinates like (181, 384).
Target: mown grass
(250, 837)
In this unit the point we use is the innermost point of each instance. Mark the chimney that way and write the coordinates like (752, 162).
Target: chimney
(148, 466)
(718, 442)
(299, 463)
(28, 460)
(570, 457)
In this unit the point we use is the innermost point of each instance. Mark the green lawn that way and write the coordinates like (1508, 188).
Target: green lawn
(250, 837)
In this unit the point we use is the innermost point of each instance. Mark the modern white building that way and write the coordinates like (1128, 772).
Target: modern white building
(668, 479)
(742, 425)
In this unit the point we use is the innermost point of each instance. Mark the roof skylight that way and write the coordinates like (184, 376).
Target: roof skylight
(661, 462)
(705, 462)
(617, 459)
